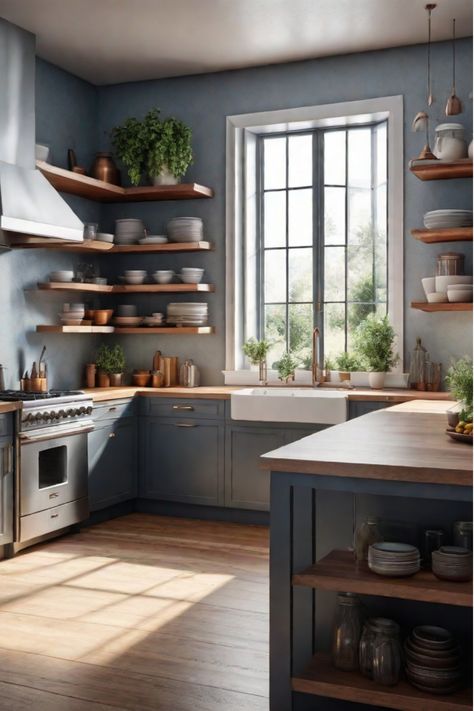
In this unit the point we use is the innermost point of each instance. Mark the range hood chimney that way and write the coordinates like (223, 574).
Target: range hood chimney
(29, 205)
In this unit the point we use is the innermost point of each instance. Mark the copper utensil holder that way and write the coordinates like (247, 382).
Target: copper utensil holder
(169, 368)
(157, 379)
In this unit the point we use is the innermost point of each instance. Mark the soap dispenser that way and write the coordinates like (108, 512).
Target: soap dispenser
(189, 374)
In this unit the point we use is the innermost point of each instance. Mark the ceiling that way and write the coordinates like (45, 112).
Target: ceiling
(113, 41)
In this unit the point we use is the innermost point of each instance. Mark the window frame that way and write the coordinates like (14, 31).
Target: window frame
(243, 132)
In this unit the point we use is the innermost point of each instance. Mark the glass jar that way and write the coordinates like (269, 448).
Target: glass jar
(462, 534)
(347, 632)
(366, 648)
(367, 533)
(387, 657)
(450, 264)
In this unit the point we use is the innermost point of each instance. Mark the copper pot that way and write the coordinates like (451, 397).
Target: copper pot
(103, 379)
(104, 168)
(116, 380)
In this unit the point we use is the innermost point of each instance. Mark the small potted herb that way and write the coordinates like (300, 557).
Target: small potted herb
(110, 364)
(256, 352)
(459, 379)
(347, 363)
(374, 338)
(286, 367)
(161, 149)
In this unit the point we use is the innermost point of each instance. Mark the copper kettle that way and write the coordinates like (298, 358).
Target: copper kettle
(104, 168)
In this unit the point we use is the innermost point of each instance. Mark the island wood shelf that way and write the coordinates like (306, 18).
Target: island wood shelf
(445, 306)
(127, 288)
(338, 572)
(323, 679)
(441, 169)
(162, 330)
(452, 234)
(67, 181)
(108, 248)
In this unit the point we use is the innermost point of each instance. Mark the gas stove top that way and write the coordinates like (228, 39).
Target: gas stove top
(15, 395)
(55, 409)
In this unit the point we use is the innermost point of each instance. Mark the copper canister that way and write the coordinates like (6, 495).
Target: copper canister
(104, 168)
(169, 368)
(90, 375)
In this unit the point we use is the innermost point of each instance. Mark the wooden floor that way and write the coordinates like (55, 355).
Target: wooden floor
(143, 613)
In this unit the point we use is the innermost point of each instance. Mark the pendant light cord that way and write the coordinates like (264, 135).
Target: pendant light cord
(454, 56)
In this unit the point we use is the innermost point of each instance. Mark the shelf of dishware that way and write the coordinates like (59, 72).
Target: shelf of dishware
(126, 288)
(67, 181)
(107, 248)
(443, 306)
(322, 678)
(339, 572)
(147, 330)
(450, 234)
(441, 169)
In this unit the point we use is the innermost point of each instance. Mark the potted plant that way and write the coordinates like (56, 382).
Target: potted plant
(459, 379)
(256, 352)
(347, 363)
(286, 367)
(162, 149)
(374, 338)
(110, 364)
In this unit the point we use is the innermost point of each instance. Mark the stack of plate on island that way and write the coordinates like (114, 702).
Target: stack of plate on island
(433, 660)
(394, 559)
(185, 229)
(452, 563)
(129, 231)
(444, 219)
(187, 314)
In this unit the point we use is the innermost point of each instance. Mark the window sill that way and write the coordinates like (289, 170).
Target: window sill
(303, 377)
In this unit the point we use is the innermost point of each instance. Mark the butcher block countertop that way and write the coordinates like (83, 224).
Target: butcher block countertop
(223, 392)
(403, 443)
(9, 407)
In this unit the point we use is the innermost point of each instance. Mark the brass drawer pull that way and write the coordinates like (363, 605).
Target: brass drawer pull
(111, 435)
(185, 424)
(183, 407)
(112, 409)
(54, 495)
(55, 515)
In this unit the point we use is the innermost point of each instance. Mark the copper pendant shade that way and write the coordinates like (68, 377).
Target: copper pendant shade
(453, 104)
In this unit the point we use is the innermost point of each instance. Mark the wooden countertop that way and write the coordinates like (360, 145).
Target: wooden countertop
(223, 392)
(9, 407)
(398, 444)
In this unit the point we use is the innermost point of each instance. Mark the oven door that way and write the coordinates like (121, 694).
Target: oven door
(52, 471)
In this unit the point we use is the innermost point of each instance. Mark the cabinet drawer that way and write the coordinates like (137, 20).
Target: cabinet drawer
(183, 408)
(6, 425)
(113, 409)
(38, 524)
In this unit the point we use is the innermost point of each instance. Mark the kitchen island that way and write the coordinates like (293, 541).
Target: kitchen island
(400, 465)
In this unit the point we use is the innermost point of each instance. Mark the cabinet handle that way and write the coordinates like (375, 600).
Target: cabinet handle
(55, 515)
(54, 495)
(111, 435)
(7, 459)
(112, 409)
(185, 424)
(183, 407)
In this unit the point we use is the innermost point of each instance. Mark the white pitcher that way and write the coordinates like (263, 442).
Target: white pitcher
(449, 141)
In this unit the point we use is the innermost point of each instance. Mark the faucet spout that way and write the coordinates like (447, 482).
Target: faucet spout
(316, 370)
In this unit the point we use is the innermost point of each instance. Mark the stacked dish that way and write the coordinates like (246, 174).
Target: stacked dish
(153, 239)
(394, 559)
(185, 229)
(190, 275)
(459, 293)
(443, 219)
(127, 321)
(72, 314)
(129, 231)
(163, 276)
(187, 314)
(64, 275)
(156, 319)
(104, 237)
(452, 563)
(433, 660)
(134, 276)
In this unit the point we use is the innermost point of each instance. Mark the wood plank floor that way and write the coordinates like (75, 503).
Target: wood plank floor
(143, 613)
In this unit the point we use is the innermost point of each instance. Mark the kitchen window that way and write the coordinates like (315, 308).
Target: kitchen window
(314, 226)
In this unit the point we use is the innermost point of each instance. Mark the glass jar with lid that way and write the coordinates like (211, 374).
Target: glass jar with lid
(387, 656)
(367, 533)
(450, 264)
(347, 632)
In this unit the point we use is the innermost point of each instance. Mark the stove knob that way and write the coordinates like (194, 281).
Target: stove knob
(70, 412)
(82, 411)
(90, 410)
(38, 417)
(46, 416)
(28, 418)
(62, 413)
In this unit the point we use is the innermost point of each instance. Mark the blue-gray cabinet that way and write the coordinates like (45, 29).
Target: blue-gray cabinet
(112, 453)
(363, 407)
(182, 459)
(7, 464)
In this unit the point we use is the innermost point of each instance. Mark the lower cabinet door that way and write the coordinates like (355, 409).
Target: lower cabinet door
(112, 453)
(6, 490)
(182, 460)
(360, 407)
(248, 486)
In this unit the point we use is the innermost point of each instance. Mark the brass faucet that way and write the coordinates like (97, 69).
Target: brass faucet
(316, 369)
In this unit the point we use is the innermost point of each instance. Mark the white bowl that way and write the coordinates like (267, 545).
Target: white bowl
(134, 280)
(134, 272)
(436, 297)
(456, 297)
(428, 285)
(63, 276)
(127, 310)
(163, 277)
(460, 287)
(190, 278)
(105, 237)
(442, 282)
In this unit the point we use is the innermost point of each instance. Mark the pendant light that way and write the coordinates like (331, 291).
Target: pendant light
(453, 104)
(421, 121)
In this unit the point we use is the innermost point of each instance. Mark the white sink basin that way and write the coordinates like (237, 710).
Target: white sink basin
(318, 406)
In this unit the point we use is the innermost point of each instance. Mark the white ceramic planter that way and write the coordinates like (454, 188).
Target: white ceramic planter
(376, 380)
(164, 178)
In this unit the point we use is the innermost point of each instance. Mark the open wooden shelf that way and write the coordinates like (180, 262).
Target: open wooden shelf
(323, 679)
(453, 234)
(338, 572)
(107, 248)
(163, 330)
(441, 169)
(82, 185)
(446, 306)
(127, 288)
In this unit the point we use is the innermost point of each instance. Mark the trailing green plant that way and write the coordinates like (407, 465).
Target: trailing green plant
(286, 366)
(152, 145)
(348, 362)
(256, 351)
(374, 338)
(110, 359)
(459, 379)
(329, 363)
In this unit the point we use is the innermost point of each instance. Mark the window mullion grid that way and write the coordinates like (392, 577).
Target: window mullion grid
(346, 241)
(261, 242)
(318, 234)
(287, 261)
(373, 210)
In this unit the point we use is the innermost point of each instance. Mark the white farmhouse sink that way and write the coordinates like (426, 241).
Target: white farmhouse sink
(318, 406)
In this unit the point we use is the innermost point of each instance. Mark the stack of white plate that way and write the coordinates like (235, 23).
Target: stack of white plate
(443, 219)
(129, 231)
(452, 563)
(72, 314)
(156, 319)
(394, 559)
(185, 229)
(187, 314)
(127, 321)
(64, 275)
(154, 239)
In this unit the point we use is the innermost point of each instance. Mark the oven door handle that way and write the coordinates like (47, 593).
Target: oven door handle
(27, 438)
